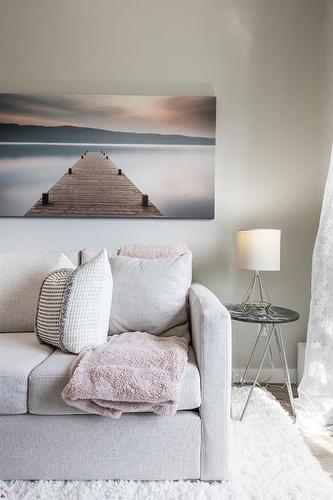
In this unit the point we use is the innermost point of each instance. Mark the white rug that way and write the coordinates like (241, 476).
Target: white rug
(269, 460)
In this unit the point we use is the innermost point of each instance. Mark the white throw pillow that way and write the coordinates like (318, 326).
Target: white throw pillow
(21, 276)
(149, 295)
(74, 306)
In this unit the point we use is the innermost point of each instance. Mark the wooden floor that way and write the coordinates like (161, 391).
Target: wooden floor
(320, 446)
(94, 188)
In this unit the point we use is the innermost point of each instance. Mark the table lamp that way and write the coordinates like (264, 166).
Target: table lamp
(258, 250)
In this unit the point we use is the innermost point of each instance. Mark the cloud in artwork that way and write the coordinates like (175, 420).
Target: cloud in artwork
(197, 111)
(186, 115)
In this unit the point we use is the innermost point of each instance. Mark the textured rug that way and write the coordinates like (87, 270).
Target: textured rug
(269, 460)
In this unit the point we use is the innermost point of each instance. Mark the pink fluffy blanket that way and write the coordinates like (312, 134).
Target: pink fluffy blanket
(133, 371)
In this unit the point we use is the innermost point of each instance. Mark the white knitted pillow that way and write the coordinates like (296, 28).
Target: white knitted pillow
(74, 306)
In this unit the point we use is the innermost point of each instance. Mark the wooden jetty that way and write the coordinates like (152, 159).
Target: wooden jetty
(94, 187)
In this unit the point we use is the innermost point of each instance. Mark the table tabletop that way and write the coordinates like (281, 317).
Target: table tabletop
(275, 315)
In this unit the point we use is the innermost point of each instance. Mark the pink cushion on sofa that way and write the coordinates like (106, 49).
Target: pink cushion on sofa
(152, 251)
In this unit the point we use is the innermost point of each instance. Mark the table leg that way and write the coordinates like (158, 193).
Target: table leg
(251, 356)
(283, 357)
(258, 371)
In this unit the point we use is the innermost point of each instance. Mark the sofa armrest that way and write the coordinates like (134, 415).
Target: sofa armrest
(211, 339)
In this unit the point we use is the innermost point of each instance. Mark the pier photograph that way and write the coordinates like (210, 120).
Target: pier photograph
(107, 156)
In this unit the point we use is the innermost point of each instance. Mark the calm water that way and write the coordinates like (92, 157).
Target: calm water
(178, 179)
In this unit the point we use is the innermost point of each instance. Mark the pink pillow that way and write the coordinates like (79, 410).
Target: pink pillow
(152, 251)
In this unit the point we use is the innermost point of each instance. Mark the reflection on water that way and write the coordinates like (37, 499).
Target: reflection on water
(179, 180)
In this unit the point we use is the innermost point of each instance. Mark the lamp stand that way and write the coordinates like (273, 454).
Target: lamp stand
(257, 300)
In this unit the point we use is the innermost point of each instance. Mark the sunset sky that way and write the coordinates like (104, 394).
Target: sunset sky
(194, 116)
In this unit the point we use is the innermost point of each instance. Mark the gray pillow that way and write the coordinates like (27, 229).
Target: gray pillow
(149, 295)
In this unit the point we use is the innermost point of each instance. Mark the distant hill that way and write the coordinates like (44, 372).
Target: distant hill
(12, 132)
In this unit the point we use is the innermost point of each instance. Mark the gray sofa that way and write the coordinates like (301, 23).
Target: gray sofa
(43, 438)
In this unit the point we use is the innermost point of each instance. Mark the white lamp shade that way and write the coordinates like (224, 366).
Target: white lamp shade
(259, 249)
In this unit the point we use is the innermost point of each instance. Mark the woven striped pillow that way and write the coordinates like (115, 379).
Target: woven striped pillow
(74, 306)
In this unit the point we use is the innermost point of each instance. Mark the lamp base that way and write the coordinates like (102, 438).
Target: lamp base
(257, 301)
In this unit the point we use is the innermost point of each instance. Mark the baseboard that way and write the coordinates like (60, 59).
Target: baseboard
(276, 375)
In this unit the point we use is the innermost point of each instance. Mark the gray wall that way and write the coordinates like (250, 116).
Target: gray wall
(259, 57)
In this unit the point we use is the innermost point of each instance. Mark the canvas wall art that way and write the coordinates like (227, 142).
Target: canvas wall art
(107, 156)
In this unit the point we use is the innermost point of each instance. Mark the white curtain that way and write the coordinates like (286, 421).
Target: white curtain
(314, 408)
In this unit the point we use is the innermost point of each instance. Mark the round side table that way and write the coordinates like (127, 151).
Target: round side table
(271, 325)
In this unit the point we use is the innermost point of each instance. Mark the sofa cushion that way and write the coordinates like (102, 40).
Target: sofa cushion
(21, 277)
(20, 354)
(47, 381)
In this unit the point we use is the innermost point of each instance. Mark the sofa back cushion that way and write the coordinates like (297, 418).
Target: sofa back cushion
(149, 295)
(89, 253)
(21, 276)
